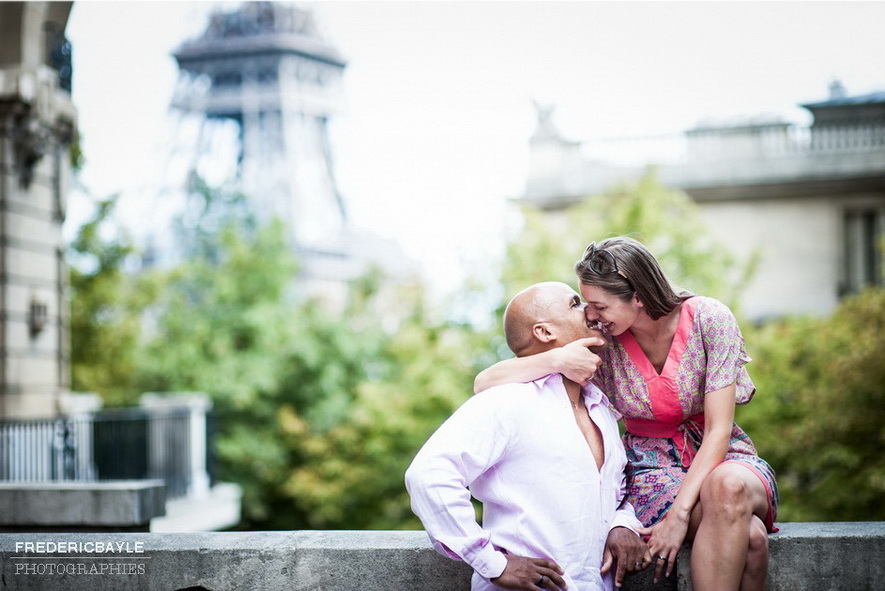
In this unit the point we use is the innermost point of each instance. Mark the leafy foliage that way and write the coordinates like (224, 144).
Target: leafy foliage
(318, 412)
(106, 309)
(818, 417)
(352, 474)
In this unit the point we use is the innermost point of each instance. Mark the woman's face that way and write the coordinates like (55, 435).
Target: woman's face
(615, 314)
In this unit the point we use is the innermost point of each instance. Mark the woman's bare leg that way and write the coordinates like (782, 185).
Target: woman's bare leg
(721, 554)
(756, 568)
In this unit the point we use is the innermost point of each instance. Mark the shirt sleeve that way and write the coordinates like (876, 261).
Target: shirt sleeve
(465, 446)
(724, 346)
(625, 516)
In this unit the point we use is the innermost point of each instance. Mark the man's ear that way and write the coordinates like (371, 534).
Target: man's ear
(541, 332)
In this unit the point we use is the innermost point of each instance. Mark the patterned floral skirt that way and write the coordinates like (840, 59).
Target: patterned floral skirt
(655, 473)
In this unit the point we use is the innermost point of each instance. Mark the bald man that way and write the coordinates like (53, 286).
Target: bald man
(545, 459)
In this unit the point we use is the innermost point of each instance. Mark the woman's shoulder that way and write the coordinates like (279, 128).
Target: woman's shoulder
(707, 307)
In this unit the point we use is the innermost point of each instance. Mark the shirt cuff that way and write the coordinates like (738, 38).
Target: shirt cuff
(626, 518)
(489, 562)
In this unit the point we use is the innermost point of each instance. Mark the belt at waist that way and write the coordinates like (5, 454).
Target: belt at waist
(651, 428)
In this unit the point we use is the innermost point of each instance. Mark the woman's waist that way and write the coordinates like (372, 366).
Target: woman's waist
(653, 452)
(669, 428)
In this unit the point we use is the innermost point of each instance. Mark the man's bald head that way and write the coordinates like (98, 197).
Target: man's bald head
(533, 305)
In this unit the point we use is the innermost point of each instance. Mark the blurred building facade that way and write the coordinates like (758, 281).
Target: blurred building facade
(810, 200)
(37, 123)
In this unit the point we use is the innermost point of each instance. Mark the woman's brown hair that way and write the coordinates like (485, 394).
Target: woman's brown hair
(622, 266)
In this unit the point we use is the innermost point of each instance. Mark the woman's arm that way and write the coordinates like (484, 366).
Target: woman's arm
(574, 360)
(667, 536)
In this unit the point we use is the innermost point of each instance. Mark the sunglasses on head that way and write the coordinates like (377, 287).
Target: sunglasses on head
(601, 261)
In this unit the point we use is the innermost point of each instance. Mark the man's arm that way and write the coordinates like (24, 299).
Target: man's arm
(472, 440)
(463, 448)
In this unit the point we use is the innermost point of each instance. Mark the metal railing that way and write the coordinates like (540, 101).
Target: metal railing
(106, 445)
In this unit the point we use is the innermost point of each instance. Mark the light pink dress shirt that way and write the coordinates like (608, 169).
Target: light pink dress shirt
(519, 450)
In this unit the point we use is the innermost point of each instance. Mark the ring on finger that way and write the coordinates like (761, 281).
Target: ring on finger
(541, 580)
(664, 558)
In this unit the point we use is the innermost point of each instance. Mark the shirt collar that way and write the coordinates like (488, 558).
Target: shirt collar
(592, 394)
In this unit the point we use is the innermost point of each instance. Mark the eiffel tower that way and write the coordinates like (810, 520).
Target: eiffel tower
(262, 84)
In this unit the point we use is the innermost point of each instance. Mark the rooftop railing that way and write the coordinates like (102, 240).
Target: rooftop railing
(741, 142)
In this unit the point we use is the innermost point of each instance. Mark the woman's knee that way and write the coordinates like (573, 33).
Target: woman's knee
(726, 493)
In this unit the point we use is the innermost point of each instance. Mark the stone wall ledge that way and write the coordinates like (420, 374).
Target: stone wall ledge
(804, 556)
(110, 505)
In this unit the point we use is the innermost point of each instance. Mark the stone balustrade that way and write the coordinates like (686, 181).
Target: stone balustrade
(804, 557)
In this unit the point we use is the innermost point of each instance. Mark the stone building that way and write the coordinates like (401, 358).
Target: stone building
(37, 123)
(809, 200)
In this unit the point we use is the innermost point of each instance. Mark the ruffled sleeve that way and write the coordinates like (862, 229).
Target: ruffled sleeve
(724, 346)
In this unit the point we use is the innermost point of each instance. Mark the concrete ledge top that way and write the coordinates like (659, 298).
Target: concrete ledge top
(831, 529)
(844, 556)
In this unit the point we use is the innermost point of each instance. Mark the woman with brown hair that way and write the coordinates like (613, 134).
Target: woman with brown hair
(674, 370)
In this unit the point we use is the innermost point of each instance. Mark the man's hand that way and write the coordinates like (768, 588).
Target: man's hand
(530, 574)
(575, 361)
(627, 549)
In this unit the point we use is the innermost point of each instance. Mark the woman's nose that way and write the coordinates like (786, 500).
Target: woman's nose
(590, 314)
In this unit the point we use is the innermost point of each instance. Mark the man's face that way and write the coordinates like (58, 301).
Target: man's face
(567, 316)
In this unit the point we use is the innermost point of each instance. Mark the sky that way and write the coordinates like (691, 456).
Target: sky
(432, 140)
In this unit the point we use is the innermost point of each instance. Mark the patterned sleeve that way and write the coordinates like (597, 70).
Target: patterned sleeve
(604, 378)
(724, 345)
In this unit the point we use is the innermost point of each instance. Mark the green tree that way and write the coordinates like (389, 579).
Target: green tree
(352, 475)
(818, 417)
(319, 413)
(223, 326)
(106, 307)
(292, 381)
